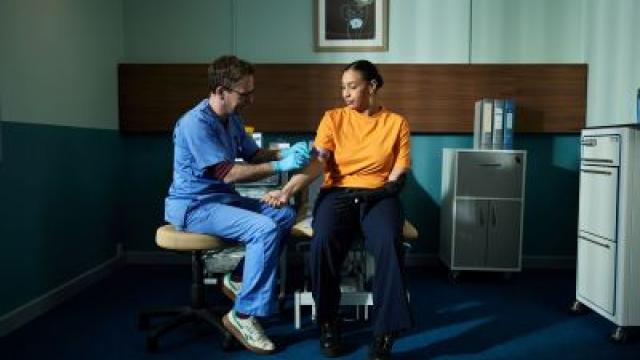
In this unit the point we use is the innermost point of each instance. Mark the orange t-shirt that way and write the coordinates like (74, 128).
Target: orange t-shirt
(362, 149)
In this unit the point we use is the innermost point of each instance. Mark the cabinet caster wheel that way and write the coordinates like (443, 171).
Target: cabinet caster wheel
(228, 342)
(152, 344)
(281, 306)
(507, 276)
(454, 276)
(578, 308)
(619, 335)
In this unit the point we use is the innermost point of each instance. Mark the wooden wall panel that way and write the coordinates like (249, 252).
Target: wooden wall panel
(435, 98)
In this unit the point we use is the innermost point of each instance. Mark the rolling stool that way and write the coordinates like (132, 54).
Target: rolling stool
(167, 237)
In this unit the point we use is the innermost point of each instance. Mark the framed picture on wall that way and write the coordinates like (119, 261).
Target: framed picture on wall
(351, 25)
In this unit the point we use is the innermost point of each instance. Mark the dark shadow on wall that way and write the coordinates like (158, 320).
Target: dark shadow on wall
(146, 180)
(424, 213)
(551, 195)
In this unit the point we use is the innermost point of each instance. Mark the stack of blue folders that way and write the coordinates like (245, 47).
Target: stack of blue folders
(493, 123)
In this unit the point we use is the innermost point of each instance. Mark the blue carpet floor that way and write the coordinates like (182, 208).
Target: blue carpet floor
(480, 317)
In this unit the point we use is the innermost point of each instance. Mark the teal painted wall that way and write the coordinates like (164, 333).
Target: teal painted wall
(146, 179)
(61, 191)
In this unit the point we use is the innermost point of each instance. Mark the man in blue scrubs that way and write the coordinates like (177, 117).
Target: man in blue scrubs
(202, 198)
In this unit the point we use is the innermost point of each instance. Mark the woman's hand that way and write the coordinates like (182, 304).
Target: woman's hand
(276, 198)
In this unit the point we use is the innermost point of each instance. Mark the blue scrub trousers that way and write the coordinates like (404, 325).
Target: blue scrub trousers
(262, 229)
(380, 225)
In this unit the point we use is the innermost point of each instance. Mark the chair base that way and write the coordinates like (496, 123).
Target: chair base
(180, 316)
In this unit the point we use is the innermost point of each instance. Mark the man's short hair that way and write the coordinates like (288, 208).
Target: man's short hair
(227, 70)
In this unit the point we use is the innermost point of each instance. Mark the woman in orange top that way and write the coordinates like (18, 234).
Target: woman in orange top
(363, 150)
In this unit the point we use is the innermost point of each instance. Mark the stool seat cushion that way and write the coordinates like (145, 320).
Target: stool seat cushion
(409, 232)
(168, 237)
(303, 229)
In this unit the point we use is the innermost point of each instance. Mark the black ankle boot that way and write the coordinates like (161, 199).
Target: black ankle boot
(330, 338)
(381, 347)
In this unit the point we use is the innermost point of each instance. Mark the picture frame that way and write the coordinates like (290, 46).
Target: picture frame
(351, 25)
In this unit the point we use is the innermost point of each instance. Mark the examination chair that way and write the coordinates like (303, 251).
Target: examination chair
(354, 291)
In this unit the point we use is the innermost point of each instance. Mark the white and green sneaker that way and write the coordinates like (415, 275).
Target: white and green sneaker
(249, 332)
(229, 287)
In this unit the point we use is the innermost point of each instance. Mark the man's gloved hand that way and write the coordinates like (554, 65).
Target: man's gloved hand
(300, 147)
(294, 161)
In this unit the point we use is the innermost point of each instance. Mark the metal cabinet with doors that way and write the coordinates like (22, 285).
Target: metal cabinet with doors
(482, 209)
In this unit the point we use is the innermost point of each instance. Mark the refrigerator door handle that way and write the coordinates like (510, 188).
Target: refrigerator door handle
(607, 246)
(596, 160)
(602, 172)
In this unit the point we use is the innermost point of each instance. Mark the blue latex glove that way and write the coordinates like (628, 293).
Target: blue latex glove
(292, 162)
(298, 148)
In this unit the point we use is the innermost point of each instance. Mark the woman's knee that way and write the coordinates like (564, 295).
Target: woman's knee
(383, 244)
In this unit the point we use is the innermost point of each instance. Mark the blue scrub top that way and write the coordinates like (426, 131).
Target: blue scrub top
(200, 141)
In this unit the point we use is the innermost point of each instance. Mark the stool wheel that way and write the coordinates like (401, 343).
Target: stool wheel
(454, 276)
(152, 344)
(282, 306)
(228, 342)
(143, 322)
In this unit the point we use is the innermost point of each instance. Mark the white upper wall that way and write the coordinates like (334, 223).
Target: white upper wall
(525, 31)
(420, 31)
(613, 54)
(59, 62)
(171, 31)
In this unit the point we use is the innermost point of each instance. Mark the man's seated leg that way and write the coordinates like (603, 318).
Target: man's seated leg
(283, 217)
(261, 237)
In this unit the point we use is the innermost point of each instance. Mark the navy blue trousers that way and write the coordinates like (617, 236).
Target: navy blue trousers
(380, 225)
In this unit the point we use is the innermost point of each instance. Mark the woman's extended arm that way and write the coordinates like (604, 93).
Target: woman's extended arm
(278, 198)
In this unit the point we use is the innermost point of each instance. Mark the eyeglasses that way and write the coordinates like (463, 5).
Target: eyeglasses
(242, 94)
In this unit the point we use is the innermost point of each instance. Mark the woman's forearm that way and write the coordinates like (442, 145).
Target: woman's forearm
(303, 179)
(396, 173)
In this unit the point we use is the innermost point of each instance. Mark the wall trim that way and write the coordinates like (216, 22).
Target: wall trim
(40, 305)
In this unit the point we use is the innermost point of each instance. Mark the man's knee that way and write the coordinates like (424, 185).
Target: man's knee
(288, 216)
(265, 230)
